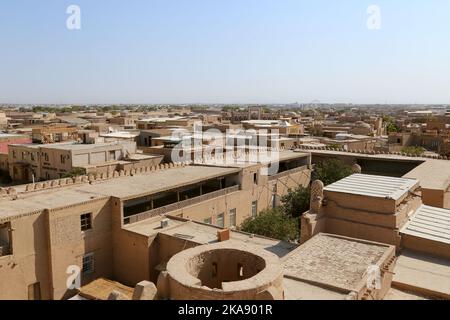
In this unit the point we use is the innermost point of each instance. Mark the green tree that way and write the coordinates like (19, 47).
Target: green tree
(334, 146)
(316, 131)
(296, 202)
(330, 171)
(273, 223)
(392, 128)
(413, 150)
(75, 172)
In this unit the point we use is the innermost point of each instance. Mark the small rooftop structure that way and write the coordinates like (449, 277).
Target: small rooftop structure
(374, 186)
(101, 288)
(429, 223)
(339, 264)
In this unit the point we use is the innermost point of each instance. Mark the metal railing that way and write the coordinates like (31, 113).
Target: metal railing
(179, 205)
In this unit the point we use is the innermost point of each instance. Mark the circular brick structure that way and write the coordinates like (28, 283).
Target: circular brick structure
(222, 271)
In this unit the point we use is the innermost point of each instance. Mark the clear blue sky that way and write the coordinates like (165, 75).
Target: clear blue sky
(224, 51)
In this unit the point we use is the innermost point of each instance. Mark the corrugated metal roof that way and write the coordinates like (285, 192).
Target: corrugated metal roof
(429, 223)
(373, 186)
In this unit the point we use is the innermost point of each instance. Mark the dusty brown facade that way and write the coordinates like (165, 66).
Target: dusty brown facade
(88, 221)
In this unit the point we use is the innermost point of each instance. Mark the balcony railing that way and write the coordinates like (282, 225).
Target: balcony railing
(179, 205)
(287, 173)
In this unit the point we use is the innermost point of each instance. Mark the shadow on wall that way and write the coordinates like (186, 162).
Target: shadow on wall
(387, 168)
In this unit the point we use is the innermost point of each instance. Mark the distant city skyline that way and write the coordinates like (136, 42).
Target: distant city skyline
(225, 52)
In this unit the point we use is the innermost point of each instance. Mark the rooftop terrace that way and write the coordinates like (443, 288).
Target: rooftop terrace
(123, 187)
(335, 261)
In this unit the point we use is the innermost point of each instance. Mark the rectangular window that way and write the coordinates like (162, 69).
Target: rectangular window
(88, 263)
(208, 221)
(220, 220)
(34, 291)
(232, 217)
(86, 221)
(254, 208)
(5, 239)
(63, 159)
(46, 157)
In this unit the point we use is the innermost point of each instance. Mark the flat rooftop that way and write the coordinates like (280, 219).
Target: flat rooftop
(124, 135)
(416, 270)
(12, 135)
(373, 186)
(100, 289)
(205, 234)
(429, 223)
(79, 146)
(68, 145)
(386, 157)
(432, 174)
(335, 261)
(266, 157)
(124, 188)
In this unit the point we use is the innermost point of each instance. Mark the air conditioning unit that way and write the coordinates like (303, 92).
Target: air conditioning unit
(164, 223)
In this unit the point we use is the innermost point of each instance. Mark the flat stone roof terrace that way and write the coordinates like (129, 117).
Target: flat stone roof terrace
(335, 261)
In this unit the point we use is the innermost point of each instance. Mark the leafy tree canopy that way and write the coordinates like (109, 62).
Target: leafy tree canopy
(273, 223)
(296, 202)
(413, 150)
(332, 170)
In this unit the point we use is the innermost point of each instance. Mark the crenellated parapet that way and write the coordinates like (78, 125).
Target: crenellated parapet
(372, 152)
(87, 179)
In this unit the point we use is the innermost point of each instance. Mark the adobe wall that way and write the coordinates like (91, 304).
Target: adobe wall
(130, 257)
(433, 198)
(222, 272)
(164, 248)
(68, 243)
(447, 200)
(370, 215)
(30, 260)
(360, 202)
(431, 247)
(363, 231)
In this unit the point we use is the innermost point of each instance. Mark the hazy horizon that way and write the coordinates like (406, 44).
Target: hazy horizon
(225, 52)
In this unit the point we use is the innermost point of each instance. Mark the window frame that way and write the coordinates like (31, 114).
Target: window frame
(91, 257)
(221, 216)
(254, 208)
(208, 221)
(232, 213)
(88, 225)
